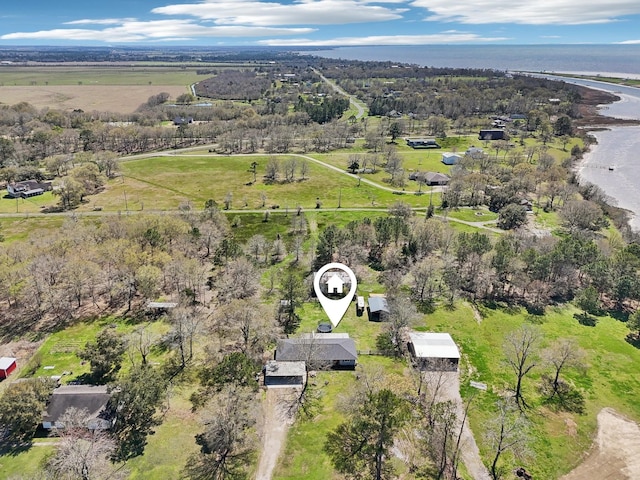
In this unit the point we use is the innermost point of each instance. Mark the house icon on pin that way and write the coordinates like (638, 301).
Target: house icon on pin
(335, 284)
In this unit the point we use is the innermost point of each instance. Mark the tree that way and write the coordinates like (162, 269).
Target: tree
(360, 446)
(82, 453)
(292, 292)
(402, 314)
(185, 325)
(104, 355)
(562, 355)
(235, 370)
(512, 216)
(70, 191)
(582, 215)
(563, 126)
(507, 432)
(589, 300)
(272, 169)
(395, 130)
(134, 402)
(520, 350)
(21, 408)
(239, 280)
(228, 441)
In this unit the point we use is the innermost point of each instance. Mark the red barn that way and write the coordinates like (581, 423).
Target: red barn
(7, 365)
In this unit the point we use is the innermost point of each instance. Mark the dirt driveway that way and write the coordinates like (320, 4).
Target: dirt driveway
(615, 453)
(276, 423)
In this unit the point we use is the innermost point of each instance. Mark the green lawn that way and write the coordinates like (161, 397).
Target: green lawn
(27, 463)
(57, 354)
(173, 442)
(303, 456)
(21, 228)
(162, 183)
(27, 205)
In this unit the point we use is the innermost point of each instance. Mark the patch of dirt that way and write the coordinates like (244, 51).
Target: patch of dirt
(104, 98)
(275, 425)
(615, 453)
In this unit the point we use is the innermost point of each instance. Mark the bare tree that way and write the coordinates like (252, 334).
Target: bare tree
(560, 356)
(520, 350)
(82, 453)
(186, 323)
(228, 440)
(507, 432)
(239, 280)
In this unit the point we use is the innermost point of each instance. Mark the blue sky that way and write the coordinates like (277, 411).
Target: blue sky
(318, 22)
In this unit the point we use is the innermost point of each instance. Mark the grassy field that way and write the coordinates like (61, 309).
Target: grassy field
(97, 75)
(27, 205)
(163, 183)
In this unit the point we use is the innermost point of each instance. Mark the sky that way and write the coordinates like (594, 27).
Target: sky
(318, 22)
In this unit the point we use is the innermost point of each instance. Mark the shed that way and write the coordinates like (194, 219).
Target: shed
(7, 365)
(434, 351)
(284, 374)
(450, 158)
(92, 398)
(378, 309)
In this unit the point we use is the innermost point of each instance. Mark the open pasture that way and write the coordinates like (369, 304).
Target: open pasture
(163, 183)
(108, 98)
(91, 87)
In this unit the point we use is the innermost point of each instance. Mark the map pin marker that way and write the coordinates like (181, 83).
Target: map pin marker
(335, 309)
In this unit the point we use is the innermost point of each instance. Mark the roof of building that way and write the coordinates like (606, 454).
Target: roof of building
(274, 368)
(434, 345)
(6, 362)
(93, 398)
(436, 177)
(327, 347)
(162, 305)
(378, 304)
(451, 155)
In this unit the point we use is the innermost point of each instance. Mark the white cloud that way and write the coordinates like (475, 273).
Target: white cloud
(441, 38)
(630, 42)
(100, 21)
(162, 30)
(301, 12)
(528, 12)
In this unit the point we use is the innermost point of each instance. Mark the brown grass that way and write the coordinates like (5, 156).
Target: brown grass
(105, 98)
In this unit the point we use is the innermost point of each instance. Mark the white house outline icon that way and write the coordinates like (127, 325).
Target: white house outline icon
(335, 284)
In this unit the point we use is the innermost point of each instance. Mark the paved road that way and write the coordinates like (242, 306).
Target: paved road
(357, 104)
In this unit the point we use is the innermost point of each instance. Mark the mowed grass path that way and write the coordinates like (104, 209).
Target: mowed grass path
(165, 182)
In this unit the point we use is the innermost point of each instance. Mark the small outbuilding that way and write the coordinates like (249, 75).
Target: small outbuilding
(7, 365)
(422, 143)
(378, 309)
(434, 351)
(92, 398)
(284, 374)
(451, 158)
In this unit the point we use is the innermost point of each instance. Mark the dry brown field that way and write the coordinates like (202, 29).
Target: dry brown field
(105, 98)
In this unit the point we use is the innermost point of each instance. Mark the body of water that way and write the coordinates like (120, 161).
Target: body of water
(617, 148)
(538, 58)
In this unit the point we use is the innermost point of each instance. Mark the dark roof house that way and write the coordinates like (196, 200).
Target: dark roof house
(92, 398)
(327, 350)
